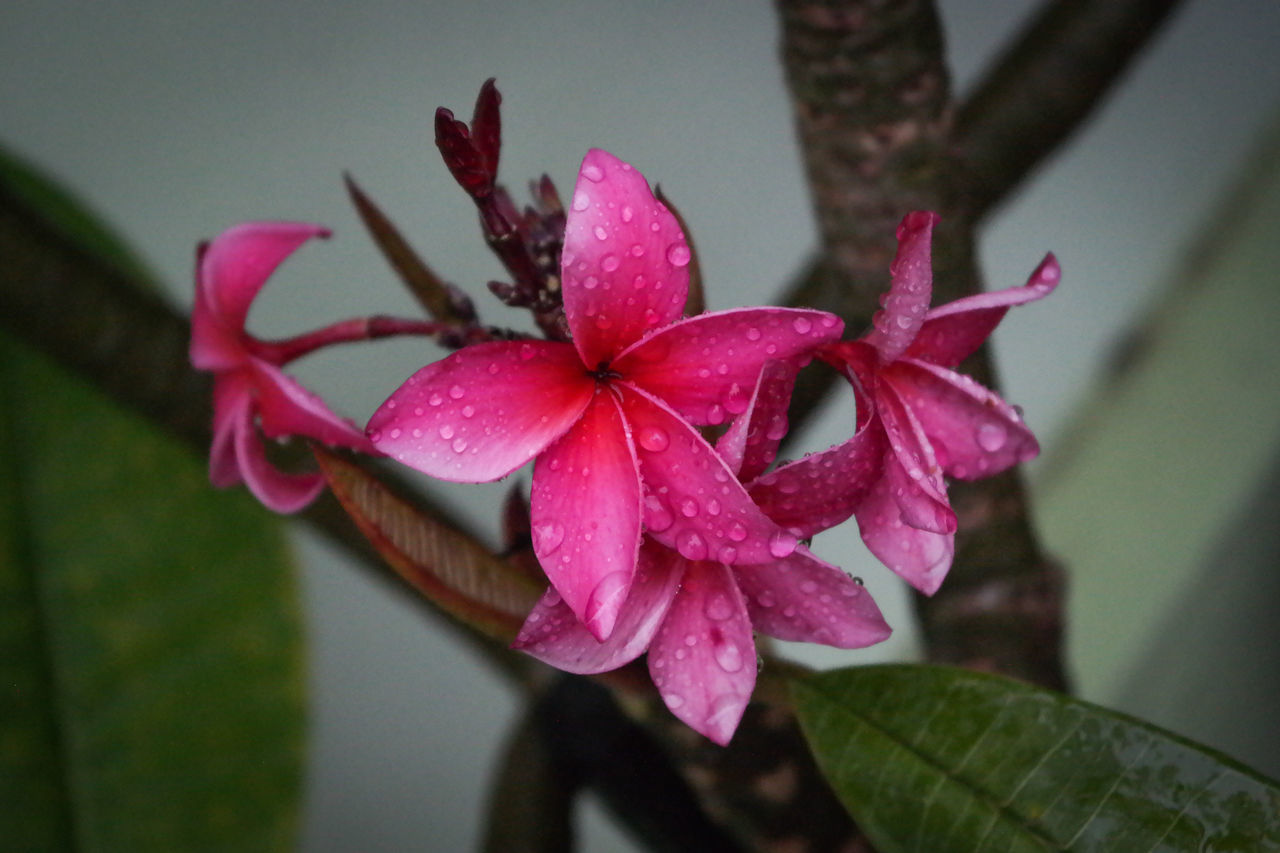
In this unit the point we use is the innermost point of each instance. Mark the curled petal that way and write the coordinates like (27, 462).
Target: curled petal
(802, 599)
(751, 442)
(706, 367)
(911, 466)
(213, 345)
(703, 658)
(908, 298)
(952, 332)
(823, 489)
(286, 408)
(484, 411)
(232, 411)
(585, 515)
(553, 634)
(625, 259)
(920, 557)
(693, 503)
(233, 267)
(284, 493)
(973, 432)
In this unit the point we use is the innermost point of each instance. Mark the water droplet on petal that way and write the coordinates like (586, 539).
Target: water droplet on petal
(592, 172)
(728, 656)
(737, 532)
(627, 213)
(446, 431)
(547, 538)
(713, 507)
(753, 334)
(435, 399)
(689, 507)
(607, 595)
(590, 282)
(678, 254)
(468, 411)
(654, 439)
(766, 599)
(718, 607)
(782, 544)
(992, 436)
(656, 515)
(581, 201)
(600, 232)
(459, 445)
(457, 392)
(609, 263)
(691, 545)
(727, 555)
(802, 325)
(673, 700)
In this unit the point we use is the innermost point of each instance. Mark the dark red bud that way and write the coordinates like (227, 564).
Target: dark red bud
(486, 127)
(465, 163)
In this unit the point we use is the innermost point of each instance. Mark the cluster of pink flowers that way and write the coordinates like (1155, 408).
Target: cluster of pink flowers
(652, 538)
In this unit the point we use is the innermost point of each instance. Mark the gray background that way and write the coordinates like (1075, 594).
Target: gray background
(176, 119)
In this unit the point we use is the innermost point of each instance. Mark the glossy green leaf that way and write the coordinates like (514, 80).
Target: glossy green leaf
(937, 759)
(151, 694)
(447, 566)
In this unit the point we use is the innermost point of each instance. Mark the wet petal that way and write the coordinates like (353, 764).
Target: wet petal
(276, 490)
(484, 411)
(553, 635)
(692, 501)
(703, 658)
(973, 432)
(706, 367)
(823, 489)
(805, 600)
(286, 409)
(751, 442)
(238, 262)
(896, 324)
(585, 515)
(920, 557)
(213, 345)
(911, 468)
(953, 331)
(625, 259)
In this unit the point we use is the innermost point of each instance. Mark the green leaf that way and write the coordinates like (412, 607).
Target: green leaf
(151, 694)
(449, 568)
(67, 214)
(938, 759)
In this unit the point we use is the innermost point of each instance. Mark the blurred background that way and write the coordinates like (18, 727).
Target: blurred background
(1150, 376)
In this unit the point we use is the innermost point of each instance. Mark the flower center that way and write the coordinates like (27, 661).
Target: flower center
(603, 373)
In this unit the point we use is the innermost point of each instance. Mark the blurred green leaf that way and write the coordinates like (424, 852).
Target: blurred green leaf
(70, 216)
(936, 759)
(151, 691)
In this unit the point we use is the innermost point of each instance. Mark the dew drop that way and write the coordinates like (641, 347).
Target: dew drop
(718, 607)
(904, 321)
(395, 433)
(459, 445)
(782, 544)
(678, 255)
(715, 415)
(656, 515)
(689, 507)
(600, 232)
(727, 555)
(802, 325)
(593, 173)
(607, 595)
(713, 507)
(691, 545)
(590, 282)
(737, 532)
(627, 213)
(808, 587)
(673, 700)
(446, 431)
(436, 399)
(468, 411)
(547, 537)
(753, 334)
(609, 263)
(766, 599)
(728, 657)
(637, 251)
(581, 201)
(991, 437)
(654, 439)
(457, 392)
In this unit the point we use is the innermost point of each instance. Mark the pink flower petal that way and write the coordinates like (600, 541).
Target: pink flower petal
(823, 489)
(703, 658)
(911, 466)
(232, 411)
(213, 345)
(285, 408)
(585, 514)
(625, 259)
(705, 367)
(920, 557)
(896, 325)
(952, 332)
(803, 599)
(484, 411)
(693, 503)
(238, 262)
(284, 493)
(973, 432)
(552, 633)
(751, 443)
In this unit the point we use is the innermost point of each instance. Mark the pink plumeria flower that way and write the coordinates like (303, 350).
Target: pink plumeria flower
(917, 418)
(610, 418)
(250, 392)
(696, 617)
